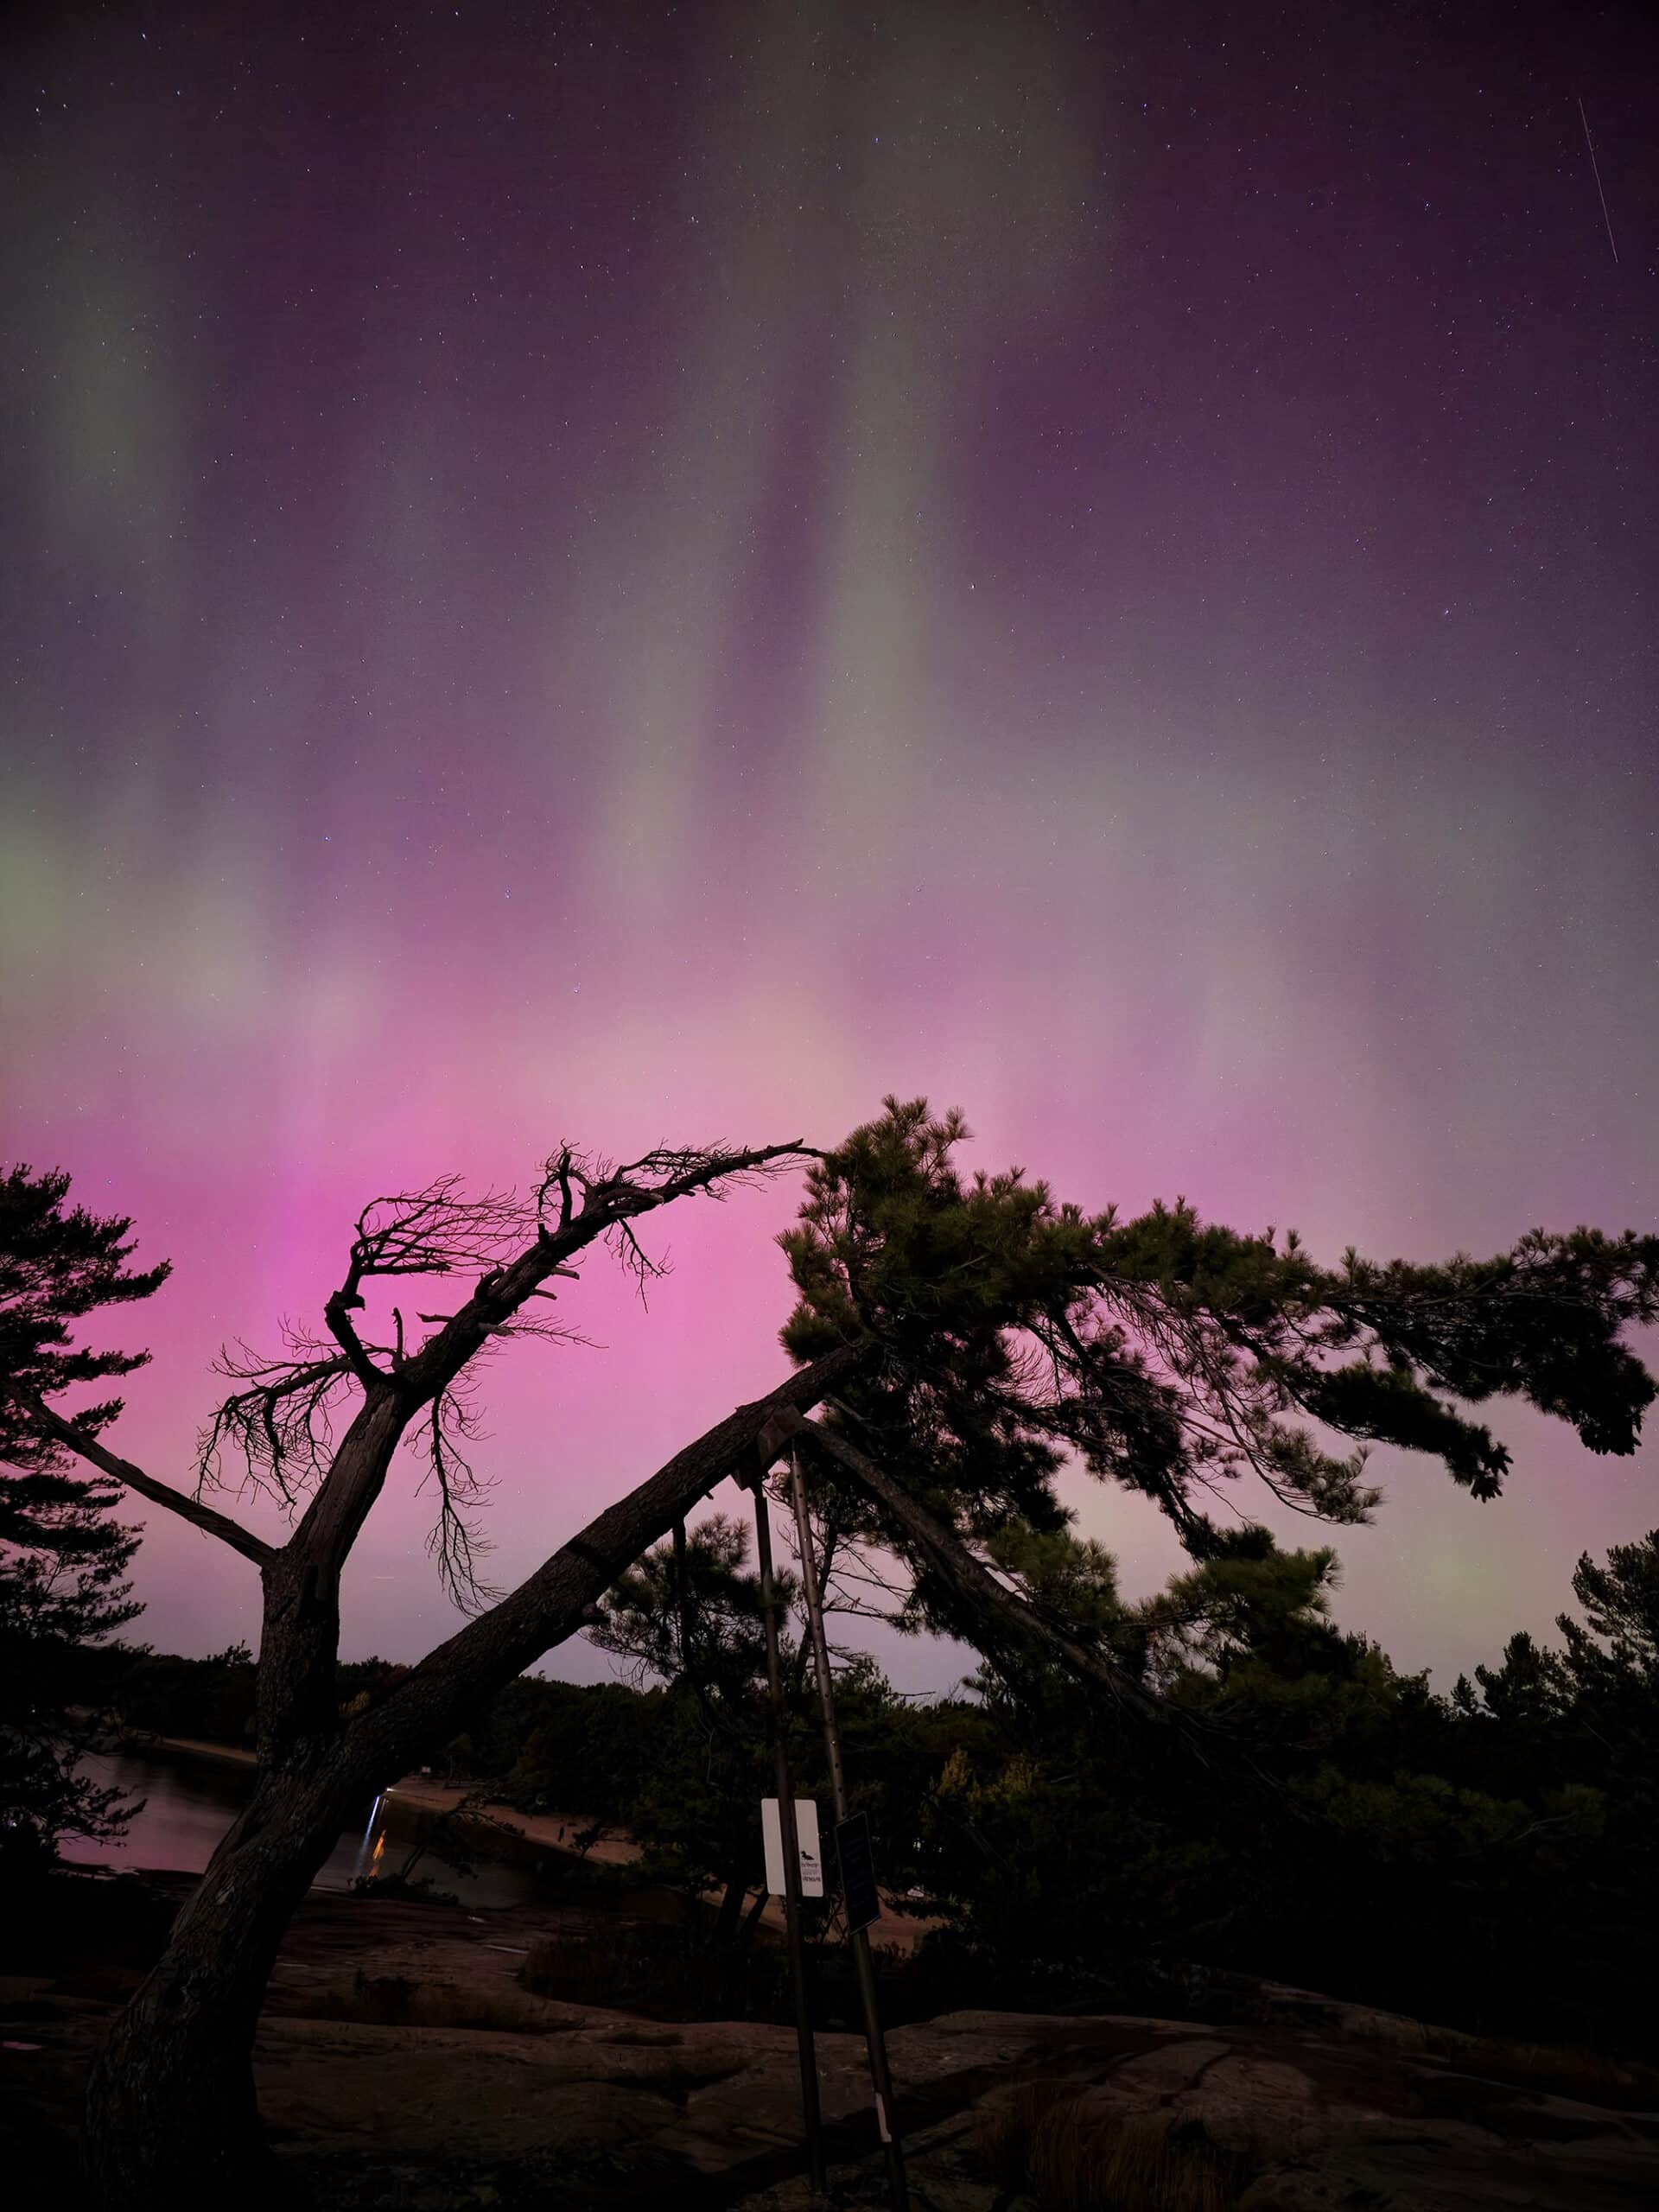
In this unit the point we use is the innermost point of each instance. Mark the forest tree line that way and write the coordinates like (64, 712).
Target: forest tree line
(1480, 1860)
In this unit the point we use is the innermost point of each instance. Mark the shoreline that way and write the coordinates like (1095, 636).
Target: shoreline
(197, 1746)
(550, 1831)
(554, 1831)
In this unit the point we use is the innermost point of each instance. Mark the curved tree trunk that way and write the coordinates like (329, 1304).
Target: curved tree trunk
(172, 2118)
(172, 2121)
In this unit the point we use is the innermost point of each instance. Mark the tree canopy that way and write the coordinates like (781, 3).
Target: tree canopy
(1168, 1355)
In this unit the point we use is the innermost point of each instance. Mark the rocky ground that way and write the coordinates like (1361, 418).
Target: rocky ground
(401, 2063)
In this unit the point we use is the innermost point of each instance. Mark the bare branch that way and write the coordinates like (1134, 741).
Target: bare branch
(337, 1316)
(636, 1259)
(281, 1425)
(557, 1172)
(123, 1470)
(456, 1541)
(432, 1231)
(611, 1199)
(557, 1600)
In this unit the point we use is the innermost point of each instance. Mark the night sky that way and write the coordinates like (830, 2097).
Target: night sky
(628, 573)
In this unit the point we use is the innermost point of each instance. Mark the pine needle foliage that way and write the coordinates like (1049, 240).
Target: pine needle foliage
(63, 1554)
(1172, 1355)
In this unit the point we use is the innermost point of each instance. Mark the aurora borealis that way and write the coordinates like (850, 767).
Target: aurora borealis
(631, 573)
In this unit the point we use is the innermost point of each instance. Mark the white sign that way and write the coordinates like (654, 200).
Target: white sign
(806, 1833)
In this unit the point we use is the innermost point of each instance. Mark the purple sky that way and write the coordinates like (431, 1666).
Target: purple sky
(631, 573)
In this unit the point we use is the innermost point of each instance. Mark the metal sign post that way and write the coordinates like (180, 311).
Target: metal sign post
(881, 2079)
(810, 2114)
(806, 1834)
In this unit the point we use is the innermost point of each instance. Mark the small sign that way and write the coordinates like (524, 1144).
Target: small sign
(806, 1835)
(855, 1855)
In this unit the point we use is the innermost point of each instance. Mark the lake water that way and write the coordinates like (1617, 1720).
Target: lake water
(190, 1799)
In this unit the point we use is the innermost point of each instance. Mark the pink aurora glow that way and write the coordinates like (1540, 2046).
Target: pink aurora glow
(630, 583)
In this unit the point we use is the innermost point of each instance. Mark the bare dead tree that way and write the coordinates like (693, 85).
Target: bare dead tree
(315, 1428)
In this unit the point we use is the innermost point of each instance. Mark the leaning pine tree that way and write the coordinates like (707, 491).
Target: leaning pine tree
(965, 1337)
(1166, 1355)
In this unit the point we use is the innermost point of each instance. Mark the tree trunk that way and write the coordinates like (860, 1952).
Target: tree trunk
(171, 2110)
(731, 1947)
(172, 2118)
(762, 1899)
(730, 1912)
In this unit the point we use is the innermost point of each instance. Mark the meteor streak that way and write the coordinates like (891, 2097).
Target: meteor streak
(1595, 167)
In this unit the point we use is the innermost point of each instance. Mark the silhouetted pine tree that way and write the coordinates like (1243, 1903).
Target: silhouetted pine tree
(63, 1556)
